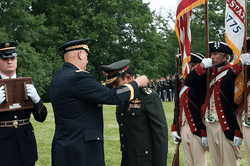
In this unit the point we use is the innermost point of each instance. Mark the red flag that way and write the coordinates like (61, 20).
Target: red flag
(182, 30)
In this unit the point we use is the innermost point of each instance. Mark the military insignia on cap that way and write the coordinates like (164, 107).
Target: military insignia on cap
(7, 44)
(216, 45)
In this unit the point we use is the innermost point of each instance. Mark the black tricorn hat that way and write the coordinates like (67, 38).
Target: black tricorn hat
(113, 71)
(196, 57)
(218, 46)
(75, 45)
(8, 49)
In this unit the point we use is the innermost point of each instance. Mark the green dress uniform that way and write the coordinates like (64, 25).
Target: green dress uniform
(143, 130)
(142, 122)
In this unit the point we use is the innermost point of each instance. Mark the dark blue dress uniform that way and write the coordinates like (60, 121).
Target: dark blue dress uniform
(142, 123)
(76, 97)
(17, 142)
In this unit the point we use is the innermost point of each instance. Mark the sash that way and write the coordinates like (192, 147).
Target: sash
(222, 74)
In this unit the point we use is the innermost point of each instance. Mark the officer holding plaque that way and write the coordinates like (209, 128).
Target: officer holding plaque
(17, 139)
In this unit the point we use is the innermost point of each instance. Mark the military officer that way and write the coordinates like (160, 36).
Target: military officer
(168, 88)
(243, 118)
(17, 139)
(77, 99)
(142, 122)
(224, 136)
(151, 84)
(190, 123)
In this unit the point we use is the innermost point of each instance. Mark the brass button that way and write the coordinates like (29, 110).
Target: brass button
(121, 114)
(122, 146)
(15, 117)
(98, 138)
(225, 122)
(146, 152)
(121, 125)
(122, 135)
(133, 114)
(223, 116)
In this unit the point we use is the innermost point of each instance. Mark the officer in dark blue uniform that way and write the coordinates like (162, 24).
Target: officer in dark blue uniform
(77, 99)
(142, 123)
(17, 139)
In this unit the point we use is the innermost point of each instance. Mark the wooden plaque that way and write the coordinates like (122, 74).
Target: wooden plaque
(16, 94)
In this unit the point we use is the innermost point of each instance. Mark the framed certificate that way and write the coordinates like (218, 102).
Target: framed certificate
(16, 94)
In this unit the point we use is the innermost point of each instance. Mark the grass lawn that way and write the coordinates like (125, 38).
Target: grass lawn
(44, 134)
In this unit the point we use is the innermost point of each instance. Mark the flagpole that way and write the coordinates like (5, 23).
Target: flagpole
(207, 56)
(245, 70)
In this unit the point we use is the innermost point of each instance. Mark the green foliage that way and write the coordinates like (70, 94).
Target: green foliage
(117, 29)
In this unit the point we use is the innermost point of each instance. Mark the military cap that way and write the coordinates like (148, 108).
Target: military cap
(75, 45)
(8, 49)
(217, 46)
(115, 70)
(196, 58)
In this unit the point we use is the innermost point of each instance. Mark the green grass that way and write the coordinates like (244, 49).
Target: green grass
(44, 134)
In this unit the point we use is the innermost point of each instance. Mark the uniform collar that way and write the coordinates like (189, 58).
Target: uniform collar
(6, 77)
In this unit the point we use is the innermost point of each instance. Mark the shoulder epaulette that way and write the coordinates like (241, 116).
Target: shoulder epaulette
(147, 90)
(77, 71)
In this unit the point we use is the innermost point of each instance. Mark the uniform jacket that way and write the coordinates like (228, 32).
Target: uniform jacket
(143, 131)
(191, 101)
(223, 94)
(76, 98)
(18, 145)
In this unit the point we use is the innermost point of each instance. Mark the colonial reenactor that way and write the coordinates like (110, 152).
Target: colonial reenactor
(224, 136)
(77, 99)
(243, 118)
(17, 139)
(142, 122)
(190, 124)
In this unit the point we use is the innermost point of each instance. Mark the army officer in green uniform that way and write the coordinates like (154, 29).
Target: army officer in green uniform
(142, 122)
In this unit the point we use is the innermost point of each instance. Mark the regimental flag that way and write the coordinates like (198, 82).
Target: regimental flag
(183, 32)
(235, 19)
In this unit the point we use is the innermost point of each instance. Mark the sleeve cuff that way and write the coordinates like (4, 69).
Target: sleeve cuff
(173, 127)
(238, 134)
(204, 133)
(199, 70)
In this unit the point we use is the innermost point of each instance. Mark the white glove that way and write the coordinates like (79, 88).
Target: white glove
(204, 141)
(207, 62)
(245, 59)
(176, 137)
(2, 94)
(32, 93)
(237, 141)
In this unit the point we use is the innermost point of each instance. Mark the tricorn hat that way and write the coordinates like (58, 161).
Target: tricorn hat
(218, 46)
(8, 49)
(113, 71)
(196, 57)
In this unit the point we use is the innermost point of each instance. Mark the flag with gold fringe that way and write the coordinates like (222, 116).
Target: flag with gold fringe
(234, 36)
(183, 32)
